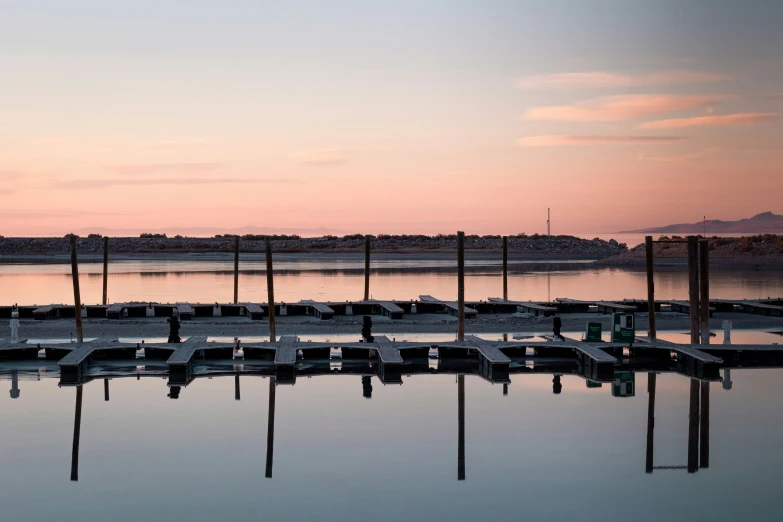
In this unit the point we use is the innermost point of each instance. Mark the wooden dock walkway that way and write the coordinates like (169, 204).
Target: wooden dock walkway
(684, 307)
(51, 311)
(254, 311)
(390, 358)
(185, 311)
(285, 352)
(392, 308)
(388, 308)
(531, 307)
(604, 307)
(756, 307)
(491, 351)
(114, 311)
(73, 365)
(594, 351)
(450, 306)
(80, 352)
(319, 310)
(183, 353)
(691, 350)
(390, 367)
(388, 353)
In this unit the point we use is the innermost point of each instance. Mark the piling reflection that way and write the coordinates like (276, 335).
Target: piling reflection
(698, 442)
(367, 387)
(651, 383)
(15, 385)
(704, 427)
(698, 427)
(461, 427)
(693, 428)
(270, 429)
(77, 426)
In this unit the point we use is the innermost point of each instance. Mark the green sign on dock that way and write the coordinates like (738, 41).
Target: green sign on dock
(623, 328)
(593, 333)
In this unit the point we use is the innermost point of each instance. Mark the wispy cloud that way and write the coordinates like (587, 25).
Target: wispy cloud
(678, 159)
(43, 214)
(713, 121)
(11, 174)
(82, 184)
(173, 145)
(4, 191)
(612, 80)
(778, 96)
(158, 168)
(559, 139)
(622, 107)
(323, 157)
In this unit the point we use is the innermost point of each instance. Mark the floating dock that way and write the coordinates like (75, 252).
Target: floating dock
(390, 359)
(394, 309)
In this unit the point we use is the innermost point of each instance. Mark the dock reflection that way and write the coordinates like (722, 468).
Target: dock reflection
(270, 429)
(698, 425)
(77, 427)
(461, 427)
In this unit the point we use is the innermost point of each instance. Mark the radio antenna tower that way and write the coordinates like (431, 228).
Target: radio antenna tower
(548, 223)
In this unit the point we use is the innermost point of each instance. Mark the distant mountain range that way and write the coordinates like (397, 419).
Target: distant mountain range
(766, 222)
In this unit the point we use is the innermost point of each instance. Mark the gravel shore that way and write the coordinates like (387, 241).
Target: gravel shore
(429, 323)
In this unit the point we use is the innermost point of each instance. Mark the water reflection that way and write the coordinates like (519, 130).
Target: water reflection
(35, 284)
(77, 428)
(698, 427)
(15, 385)
(270, 429)
(516, 445)
(698, 440)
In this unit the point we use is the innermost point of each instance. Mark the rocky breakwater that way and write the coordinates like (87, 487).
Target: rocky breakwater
(534, 246)
(757, 252)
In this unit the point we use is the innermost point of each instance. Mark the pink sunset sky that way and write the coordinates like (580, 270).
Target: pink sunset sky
(393, 117)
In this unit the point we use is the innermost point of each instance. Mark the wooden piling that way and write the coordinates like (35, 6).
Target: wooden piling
(704, 428)
(505, 268)
(460, 286)
(693, 428)
(237, 396)
(270, 429)
(461, 427)
(648, 246)
(366, 268)
(77, 426)
(693, 287)
(106, 390)
(236, 269)
(270, 288)
(77, 299)
(105, 270)
(651, 381)
(704, 290)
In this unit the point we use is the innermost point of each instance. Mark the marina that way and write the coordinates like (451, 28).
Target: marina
(394, 309)
(398, 261)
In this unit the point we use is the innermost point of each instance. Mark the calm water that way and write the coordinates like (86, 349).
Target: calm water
(336, 455)
(341, 278)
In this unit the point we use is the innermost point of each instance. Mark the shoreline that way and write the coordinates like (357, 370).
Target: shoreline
(493, 260)
(341, 325)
